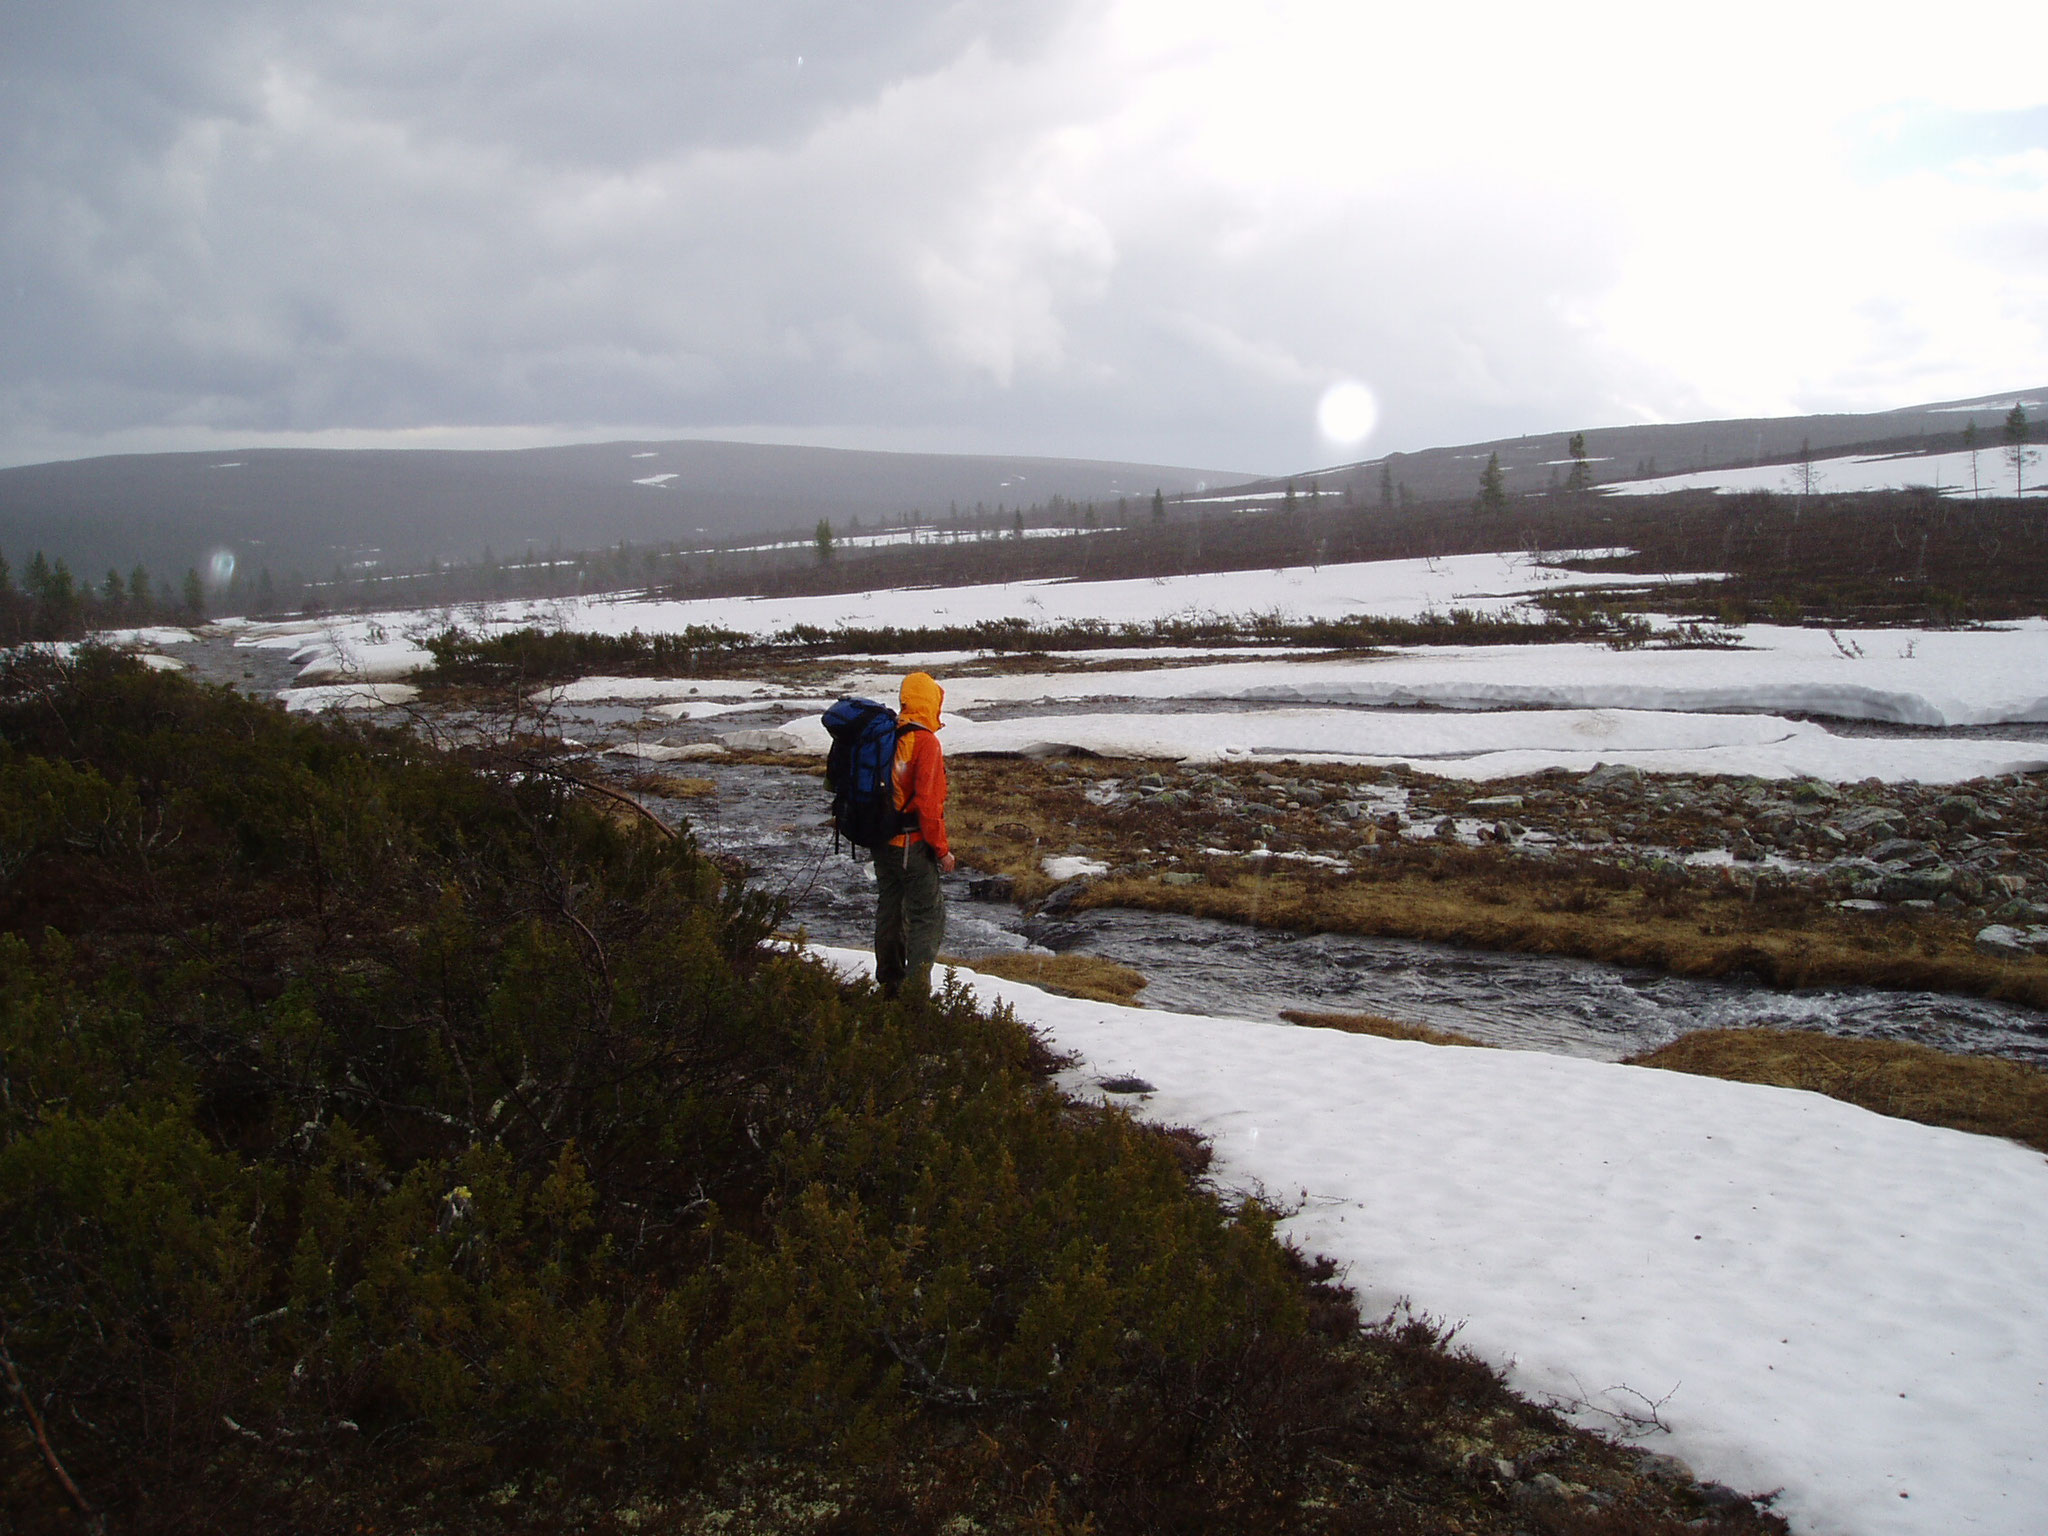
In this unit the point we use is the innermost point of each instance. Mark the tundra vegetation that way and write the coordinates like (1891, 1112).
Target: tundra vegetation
(396, 1139)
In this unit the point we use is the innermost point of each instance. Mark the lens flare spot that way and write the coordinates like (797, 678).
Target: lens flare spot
(221, 568)
(1347, 413)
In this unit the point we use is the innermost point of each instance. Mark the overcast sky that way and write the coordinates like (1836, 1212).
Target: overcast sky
(1143, 229)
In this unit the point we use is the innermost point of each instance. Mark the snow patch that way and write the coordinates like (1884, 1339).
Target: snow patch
(1825, 1300)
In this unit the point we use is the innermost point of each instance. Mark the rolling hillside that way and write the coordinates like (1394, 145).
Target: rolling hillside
(309, 510)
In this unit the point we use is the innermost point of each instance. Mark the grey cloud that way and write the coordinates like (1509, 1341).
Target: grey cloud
(266, 218)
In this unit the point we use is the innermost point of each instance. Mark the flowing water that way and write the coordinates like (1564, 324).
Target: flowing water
(774, 820)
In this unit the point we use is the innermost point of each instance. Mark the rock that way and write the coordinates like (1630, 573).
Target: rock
(2003, 941)
(1611, 776)
(1664, 1469)
(1917, 884)
(1962, 811)
(1062, 897)
(1543, 1488)
(1874, 820)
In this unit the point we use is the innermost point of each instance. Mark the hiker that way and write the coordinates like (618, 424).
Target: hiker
(910, 908)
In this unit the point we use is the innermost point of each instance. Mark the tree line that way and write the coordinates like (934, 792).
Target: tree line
(51, 603)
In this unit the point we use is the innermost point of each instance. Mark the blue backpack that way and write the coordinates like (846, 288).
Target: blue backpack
(860, 770)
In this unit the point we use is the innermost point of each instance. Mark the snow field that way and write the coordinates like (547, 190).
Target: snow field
(1492, 745)
(1817, 1298)
(1396, 588)
(1567, 706)
(1951, 472)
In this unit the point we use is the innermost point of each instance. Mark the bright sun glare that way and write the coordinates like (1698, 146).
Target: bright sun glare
(1347, 413)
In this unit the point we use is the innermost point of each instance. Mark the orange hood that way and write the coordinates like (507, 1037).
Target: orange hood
(922, 700)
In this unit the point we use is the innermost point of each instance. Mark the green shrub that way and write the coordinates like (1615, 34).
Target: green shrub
(430, 1123)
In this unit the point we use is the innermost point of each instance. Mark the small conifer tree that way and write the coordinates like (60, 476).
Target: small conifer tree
(1493, 492)
(2016, 446)
(1581, 476)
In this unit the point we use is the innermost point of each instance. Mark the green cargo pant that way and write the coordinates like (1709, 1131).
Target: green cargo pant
(910, 915)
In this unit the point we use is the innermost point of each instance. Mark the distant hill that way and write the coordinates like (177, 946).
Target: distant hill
(1662, 451)
(308, 510)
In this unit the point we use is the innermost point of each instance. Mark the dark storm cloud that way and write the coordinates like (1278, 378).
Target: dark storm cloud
(271, 217)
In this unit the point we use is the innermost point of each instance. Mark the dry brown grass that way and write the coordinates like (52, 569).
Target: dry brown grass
(1011, 814)
(1089, 976)
(1911, 1082)
(669, 786)
(1377, 1024)
(1725, 937)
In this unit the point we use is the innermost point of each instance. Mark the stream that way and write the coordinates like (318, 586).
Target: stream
(774, 820)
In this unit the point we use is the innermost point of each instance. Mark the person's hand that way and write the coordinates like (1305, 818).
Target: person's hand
(948, 864)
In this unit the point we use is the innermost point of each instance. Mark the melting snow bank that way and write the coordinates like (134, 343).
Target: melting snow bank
(1496, 745)
(1930, 678)
(347, 696)
(1816, 1297)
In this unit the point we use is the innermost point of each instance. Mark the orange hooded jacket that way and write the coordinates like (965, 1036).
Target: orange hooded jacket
(921, 766)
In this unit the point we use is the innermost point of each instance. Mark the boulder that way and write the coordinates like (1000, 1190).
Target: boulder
(1917, 884)
(1612, 776)
(1875, 820)
(2004, 941)
(1664, 1469)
